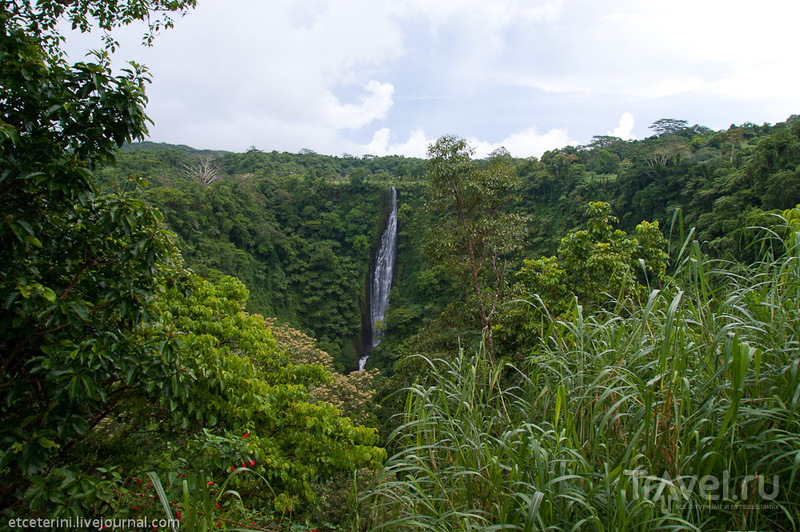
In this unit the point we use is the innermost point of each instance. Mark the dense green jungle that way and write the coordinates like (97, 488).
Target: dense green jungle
(601, 338)
(299, 229)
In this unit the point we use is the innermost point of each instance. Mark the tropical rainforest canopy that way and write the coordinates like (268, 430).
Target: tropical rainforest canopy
(602, 338)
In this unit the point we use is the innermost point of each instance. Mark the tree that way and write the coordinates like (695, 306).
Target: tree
(669, 126)
(607, 162)
(358, 179)
(501, 152)
(731, 138)
(41, 18)
(472, 231)
(597, 267)
(233, 377)
(663, 150)
(353, 394)
(603, 142)
(101, 329)
(80, 271)
(204, 170)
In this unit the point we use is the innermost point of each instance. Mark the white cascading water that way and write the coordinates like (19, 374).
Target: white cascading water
(382, 275)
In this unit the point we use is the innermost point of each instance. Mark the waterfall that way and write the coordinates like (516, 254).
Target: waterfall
(382, 274)
(383, 271)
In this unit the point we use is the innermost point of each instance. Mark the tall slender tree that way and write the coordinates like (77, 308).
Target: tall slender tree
(473, 231)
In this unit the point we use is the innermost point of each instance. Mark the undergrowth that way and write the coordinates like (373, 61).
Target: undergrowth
(679, 414)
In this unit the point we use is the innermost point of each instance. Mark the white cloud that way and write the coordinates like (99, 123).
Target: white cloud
(526, 143)
(242, 72)
(625, 128)
(380, 142)
(731, 31)
(645, 51)
(330, 74)
(373, 104)
(416, 145)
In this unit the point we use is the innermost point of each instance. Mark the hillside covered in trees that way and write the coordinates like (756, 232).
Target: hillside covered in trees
(298, 229)
(602, 338)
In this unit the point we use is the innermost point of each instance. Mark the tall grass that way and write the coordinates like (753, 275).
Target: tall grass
(679, 414)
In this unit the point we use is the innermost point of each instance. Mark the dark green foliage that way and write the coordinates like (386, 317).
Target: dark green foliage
(233, 379)
(302, 246)
(116, 358)
(298, 228)
(79, 271)
(113, 357)
(720, 180)
(597, 267)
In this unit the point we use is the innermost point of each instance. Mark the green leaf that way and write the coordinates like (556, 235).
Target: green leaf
(163, 499)
(33, 240)
(49, 294)
(79, 308)
(74, 387)
(48, 444)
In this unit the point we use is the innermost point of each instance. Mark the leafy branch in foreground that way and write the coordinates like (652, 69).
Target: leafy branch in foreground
(112, 356)
(79, 271)
(42, 17)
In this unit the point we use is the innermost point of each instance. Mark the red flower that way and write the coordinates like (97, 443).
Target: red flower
(210, 483)
(179, 515)
(246, 434)
(252, 462)
(233, 468)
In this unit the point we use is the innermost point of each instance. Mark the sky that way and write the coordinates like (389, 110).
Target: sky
(386, 77)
